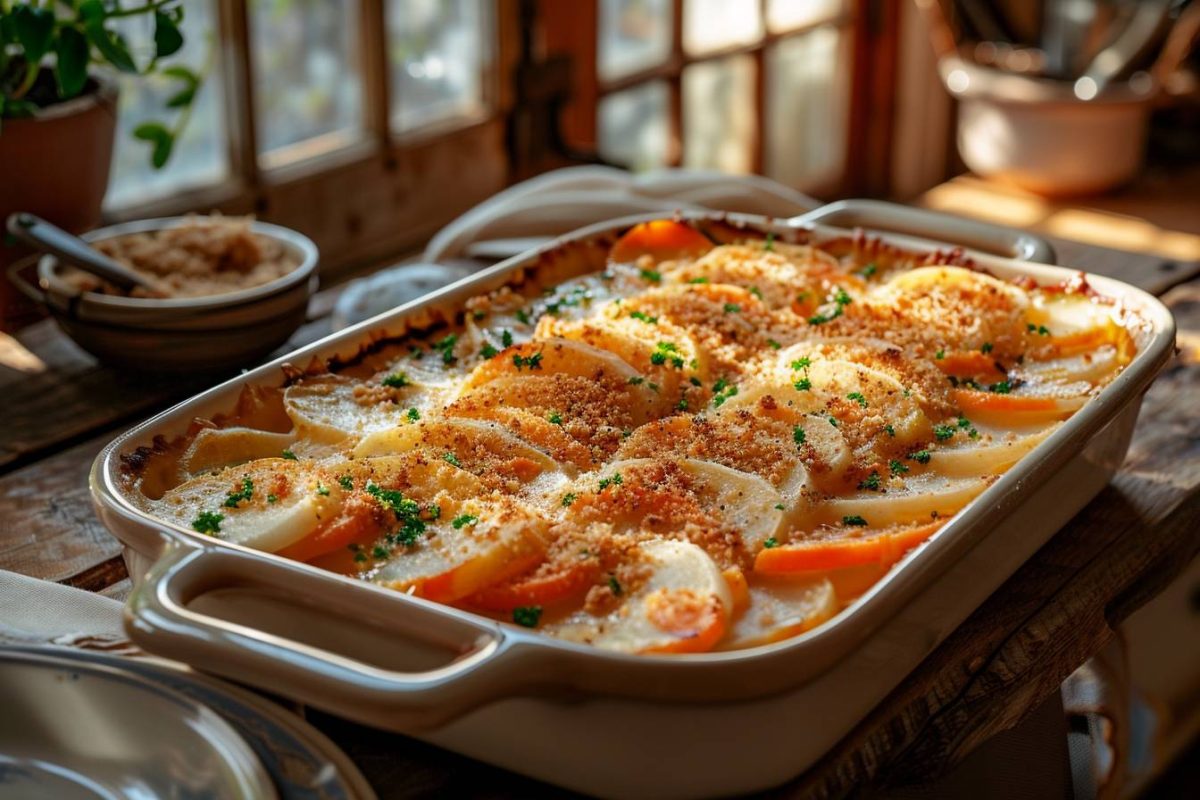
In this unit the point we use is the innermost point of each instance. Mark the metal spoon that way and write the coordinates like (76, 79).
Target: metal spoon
(49, 238)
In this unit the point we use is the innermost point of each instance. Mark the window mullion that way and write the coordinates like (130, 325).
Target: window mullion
(238, 71)
(373, 33)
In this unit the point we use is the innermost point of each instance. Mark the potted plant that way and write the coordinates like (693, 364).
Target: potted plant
(58, 104)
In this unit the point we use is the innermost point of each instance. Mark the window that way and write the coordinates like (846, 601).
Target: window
(734, 85)
(349, 120)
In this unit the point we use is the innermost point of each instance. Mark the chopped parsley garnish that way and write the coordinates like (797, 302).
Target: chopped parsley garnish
(289, 455)
(944, 432)
(890, 430)
(854, 519)
(568, 498)
(615, 585)
(464, 520)
(208, 522)
(653, 386)
(527, 616)
(841, 299)
(245, 493)
(446, 347)
(939, 355)
(897, 467)
(769, 244)
(434, 511)
(636, 380)
(643, 316)
(722, 391)
(869, 270)
(487, 351)
(522, 316)
(780, 507)
(798, 435)
(322, 490)
(871, 482)
(921, 456)
(701, 279)
(651, 275)
(1040, 330)
(987, 348)
(858, 398)
(732, 308)
(803, 385)
(397, 380)
(271, 498)
(682, 405)
(345, 482)
(506, 338)
(694, 381)
(774, 345)
(360, 557)
(554, 417)
(754, 290)
(833, 420)
(1003, 387)
(769, 543)
(380, 552)
(966, 425)
(416, 353)
(452, 459)
(406, 511)
(802, 363)
(615, 480)
(664, 351)
(413, 415)
(533, 362)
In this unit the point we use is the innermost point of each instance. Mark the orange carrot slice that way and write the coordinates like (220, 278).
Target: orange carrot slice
(967, 363)
(694, 620)
(970, 400)
(357, 522)
(882, 547)
(661, 239)
(539, 587)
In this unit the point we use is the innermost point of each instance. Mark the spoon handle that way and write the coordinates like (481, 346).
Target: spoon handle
(47, 237)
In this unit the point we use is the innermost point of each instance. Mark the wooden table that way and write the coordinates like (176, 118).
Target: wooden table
(60, 408)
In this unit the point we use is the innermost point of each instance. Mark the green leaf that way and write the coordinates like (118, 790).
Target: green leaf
(167, 38)
(111, 45)
(71, 71)
(160, 138)
(191, 84)
(34, 29)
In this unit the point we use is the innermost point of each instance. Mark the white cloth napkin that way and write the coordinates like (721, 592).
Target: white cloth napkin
(34, 611)
(532, 212)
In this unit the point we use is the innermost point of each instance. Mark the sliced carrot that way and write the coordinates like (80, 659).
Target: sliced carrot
(848, 582)
(882, 547)
(661, 239)
(355, 524)
(970, 400)
(968, 363)
(698, 621)
(468, 577)
(539, 587)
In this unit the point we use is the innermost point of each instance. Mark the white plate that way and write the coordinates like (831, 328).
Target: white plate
(74, 729)
(301, 761)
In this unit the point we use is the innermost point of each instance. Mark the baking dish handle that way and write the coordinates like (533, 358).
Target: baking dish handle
(982, 236)
(485, 661)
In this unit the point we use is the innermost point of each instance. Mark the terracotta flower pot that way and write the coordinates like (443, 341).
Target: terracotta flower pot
(55, 165)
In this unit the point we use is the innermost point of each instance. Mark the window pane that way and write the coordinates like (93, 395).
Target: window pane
(307, 76)
(438, 52)
(199, 156)
(634, 35)
(783, 15)
(807, 84)
(718, 114)
(634, 131)
(713, 24)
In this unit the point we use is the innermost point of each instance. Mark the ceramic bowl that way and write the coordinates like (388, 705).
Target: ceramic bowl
(182, 334)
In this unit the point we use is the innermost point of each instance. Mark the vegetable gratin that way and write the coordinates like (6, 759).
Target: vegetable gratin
(701, 441)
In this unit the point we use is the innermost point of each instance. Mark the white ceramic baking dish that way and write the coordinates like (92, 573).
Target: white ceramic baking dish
(599, 722)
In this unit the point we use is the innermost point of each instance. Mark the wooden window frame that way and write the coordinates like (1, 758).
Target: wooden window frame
(377, 196)
(869, 24)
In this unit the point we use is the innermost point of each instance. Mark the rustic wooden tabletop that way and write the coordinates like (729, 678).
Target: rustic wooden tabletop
(1062, 606)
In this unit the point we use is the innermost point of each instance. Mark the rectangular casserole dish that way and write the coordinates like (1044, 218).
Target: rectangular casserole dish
(595, 721)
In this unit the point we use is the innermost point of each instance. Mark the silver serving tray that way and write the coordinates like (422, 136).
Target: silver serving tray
(581, 717)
